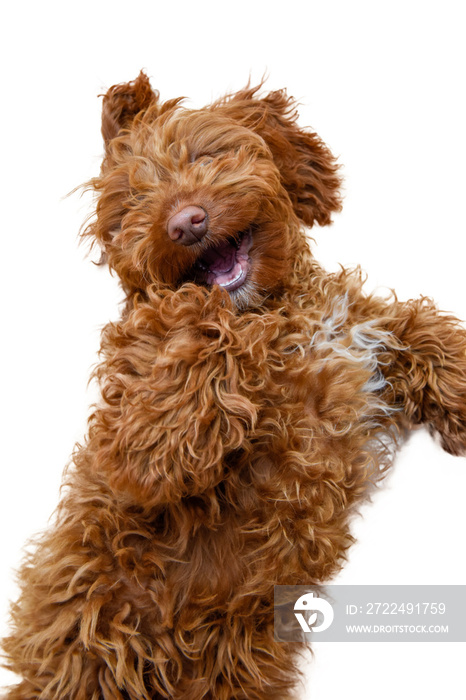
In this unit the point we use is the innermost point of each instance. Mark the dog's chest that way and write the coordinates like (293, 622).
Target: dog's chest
(328, 366)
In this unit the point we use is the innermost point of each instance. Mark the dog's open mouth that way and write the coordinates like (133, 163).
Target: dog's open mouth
(228, 263)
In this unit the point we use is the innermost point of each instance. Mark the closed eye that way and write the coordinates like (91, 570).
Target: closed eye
(202, 159)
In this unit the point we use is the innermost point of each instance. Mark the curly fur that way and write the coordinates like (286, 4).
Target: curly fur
(237, 431)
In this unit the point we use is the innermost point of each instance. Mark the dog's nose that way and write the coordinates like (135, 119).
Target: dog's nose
(188, 226)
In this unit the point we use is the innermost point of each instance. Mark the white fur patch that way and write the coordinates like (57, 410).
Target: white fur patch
(361, 344)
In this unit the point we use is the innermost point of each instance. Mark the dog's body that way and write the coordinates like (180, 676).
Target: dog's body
(249, 399)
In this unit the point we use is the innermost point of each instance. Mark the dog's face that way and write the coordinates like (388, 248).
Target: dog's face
(211, 196)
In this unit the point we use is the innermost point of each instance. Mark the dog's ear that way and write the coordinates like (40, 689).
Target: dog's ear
(123, 102)
(308, 169)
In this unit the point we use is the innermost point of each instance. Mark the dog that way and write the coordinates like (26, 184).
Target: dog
(249, 401)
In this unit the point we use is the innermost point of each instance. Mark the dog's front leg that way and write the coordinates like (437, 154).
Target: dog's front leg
(174, 399)
(427, 376)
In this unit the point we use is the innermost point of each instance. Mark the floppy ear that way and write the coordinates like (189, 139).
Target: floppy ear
(123, 102)
(308, 169)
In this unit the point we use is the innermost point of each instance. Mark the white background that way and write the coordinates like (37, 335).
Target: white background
(383, 83)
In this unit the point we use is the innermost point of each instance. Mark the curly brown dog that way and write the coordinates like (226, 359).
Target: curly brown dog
(248, 401)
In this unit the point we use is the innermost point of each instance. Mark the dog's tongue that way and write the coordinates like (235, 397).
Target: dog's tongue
(220, 259)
